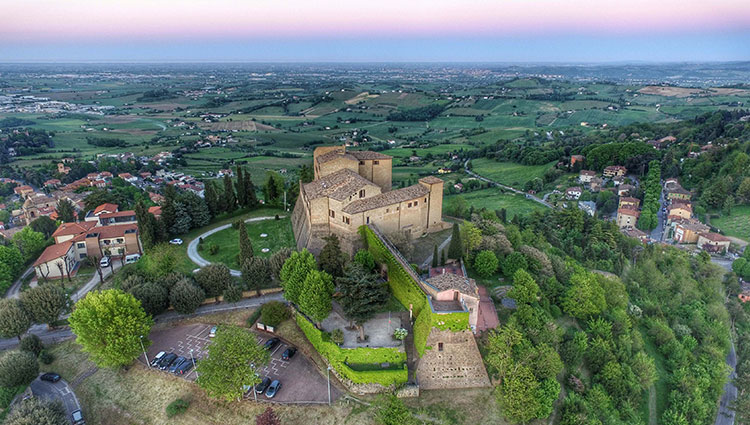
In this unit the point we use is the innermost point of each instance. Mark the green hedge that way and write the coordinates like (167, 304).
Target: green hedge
(338, 357)
(422, 328)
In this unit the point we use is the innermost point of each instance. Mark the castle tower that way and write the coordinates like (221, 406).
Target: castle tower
(435, 203)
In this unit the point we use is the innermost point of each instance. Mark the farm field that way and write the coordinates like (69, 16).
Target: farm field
(279, 235)
(508, 173)
(493, 199)
(737, 224)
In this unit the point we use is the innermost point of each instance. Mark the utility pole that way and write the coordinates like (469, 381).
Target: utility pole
(144, 352)
(329, 384)
(192, 359)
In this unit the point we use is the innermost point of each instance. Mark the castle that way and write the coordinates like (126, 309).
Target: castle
(353, 188)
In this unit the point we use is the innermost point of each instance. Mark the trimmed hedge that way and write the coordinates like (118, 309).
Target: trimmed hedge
(338, 357)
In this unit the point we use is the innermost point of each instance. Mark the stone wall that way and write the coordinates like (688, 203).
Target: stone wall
(457, 365)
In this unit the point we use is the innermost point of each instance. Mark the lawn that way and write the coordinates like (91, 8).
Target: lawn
(279, 235)
(508, 173)
(737, 224)
(494, 199)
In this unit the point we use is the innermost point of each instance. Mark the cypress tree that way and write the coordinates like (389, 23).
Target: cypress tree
(442, 258)
(168, 208)
(246, 247)
(146, 227)
(230, 198)
(455, 249)
(241, 194)
(435, 256)
(212, 199)
(251, 198)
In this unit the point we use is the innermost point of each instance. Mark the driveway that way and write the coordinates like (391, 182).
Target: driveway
(15, 290)
(91, 284)
(192, 249)
(59, 390)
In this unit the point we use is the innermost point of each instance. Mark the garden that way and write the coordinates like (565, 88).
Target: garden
(266, 236)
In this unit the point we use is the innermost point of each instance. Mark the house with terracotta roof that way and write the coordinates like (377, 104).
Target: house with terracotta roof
(615, 170)
(52, 183)
(744, 294)
(585, 176)
(576, 159)
(23, 191)
(625, 190)
(352, 189)
(156, 211)
(38, 205)
(713, 242)
(627, 217)
(676, 191)
(679, 209)
(106, 208)
(57, 261)
(628, 202)
(687, 230)
(573, 193)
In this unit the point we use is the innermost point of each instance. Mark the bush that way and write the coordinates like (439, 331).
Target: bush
(37, 411)
(46, 357)
(177, 407)
(337, 336)
(213, 279)
(400, 334)
(213, 249)
(253, 317)
(273, 313)
(18, 368)
(32, 344)
(236, 224)
(186, 297)
(233, 293)
(486, 263)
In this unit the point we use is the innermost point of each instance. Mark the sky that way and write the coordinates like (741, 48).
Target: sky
(374, 31)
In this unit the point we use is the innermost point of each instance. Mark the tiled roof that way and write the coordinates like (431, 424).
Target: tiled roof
(66, 229)
(714, 237)
(430, 180)
(629, 200)
(330, 156)
(588, 173)
(127, 213)
(387, 198)
(115, 230)
(338, 185)
(368, 155)
(628, 211)
(53, 252)
(446, 281)
(106, 207)
(155, 210)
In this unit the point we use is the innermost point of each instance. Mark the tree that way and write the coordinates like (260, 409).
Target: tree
(743, 191)
(65, 211)
(435, 256)
(44, 303)
(29, 243)
(196, 209)
(268, 417)
(246, 247)
(214, 279)
(168, 209)
(362, 295)
(331, 259)
(183, 221)
(38, 411)
(525, 290)
(186, 297)
(233, 293)
(513, 262)
(273, 188)
(471, 237)
(32, 344)
(486, 263)
(234, 356)
(585, 297)
(44, 225)
(240, 185)
(146, 225)
(154, 298)
(212, 199)
(18, 368)
(273, 312)
(644, 368)
(255, 273)
(14, 321)
(315, 298)
(364, 258)
(456, 248)
(277, 260)
(251, 197)
(230, 199)
(296, 268)
(110, 325)
(517, 394)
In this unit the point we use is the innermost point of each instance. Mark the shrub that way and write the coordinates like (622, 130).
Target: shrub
(213, 279)
(213, 249)
(236, 224)
(177, 407)
(337, 336)
(18, 368)
(400, 334)
(185, 297)
(253, 317)
(486, 263)
(32, 344)
(37, 411)
(46, 357)
(273, 313)
(233, 293)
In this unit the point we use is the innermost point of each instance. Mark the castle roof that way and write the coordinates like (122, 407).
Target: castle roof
(430, 180)
(367, 155)
(330, 156)
(387, 198)
(338, 185)
(446, 281)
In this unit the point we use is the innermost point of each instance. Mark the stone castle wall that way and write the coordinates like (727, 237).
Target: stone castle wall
(458, 365)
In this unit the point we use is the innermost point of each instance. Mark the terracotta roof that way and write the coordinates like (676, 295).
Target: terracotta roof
(446, 281)
(155, 210)
(53, 252)
(66, 229)
(387, 198)
(680, 190)
(118, 214)
(114, 230)
(714, 237)
(368, 155)
(338, 185)
(588, 173)
(629, 200)
(691, 224)
(628, 211)
(431, 180)
(106, 207)
(634, 233)
(615, 168)
(330, 156)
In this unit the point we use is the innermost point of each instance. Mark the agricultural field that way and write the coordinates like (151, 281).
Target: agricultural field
(737, 224)
(508, 173)
(493, 199)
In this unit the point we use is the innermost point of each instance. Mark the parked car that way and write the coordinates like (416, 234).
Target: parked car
(271, 343)
(104, 262)
(262, 386)
(176, 363)
(184, 367)
(157, 358)
(273, 389)
(212, 332)
(132, 258)
(50, 377)
(167, 360)
(289, 353)
(176, 241)
(77, 417)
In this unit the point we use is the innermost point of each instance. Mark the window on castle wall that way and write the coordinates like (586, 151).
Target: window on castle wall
(440, 346)
(375, 162)
(332, 213)
(362, 193)
(409, 206)
(416, 203)
(368, 220)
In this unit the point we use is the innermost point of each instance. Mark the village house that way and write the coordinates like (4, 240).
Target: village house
(625, 190)
(713, 243)
(628, 202)
(687, 230)
(576, 159)
(585, 176)
(62, 168)
(662, 143)
(615, 170)
(744, 294)
(589, 207)
(352, 189)
(38, 205)
(23, 191)
(597, 184)
(679, 209)
(618, 180)
(627, 217)
(52, 183)
(635, 233)
(573, 193)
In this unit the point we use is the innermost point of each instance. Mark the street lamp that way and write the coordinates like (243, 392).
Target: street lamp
(328, 373)
(144, 352)
(192, 359)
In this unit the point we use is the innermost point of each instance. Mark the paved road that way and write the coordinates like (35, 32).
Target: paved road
(91, 284)
(59, 390)
(15, 290)
(64, 333)
(512, 189)
(658, 233)
(725, 416)
(192, 250)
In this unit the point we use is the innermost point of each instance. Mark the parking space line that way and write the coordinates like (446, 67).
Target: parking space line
(208, 327)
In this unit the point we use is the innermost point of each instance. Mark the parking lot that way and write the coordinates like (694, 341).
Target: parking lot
(300, 380)
(59, 390)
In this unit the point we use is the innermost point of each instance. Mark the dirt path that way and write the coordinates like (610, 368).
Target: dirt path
(652, 405)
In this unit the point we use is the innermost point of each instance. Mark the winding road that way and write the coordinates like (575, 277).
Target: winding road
(192, 250)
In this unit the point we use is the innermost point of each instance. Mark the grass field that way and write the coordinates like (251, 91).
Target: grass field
(508, 173)
(279, 236)
(494, 199)
(737, 224)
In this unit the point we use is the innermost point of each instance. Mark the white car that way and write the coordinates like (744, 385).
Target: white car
(104, 262)
(212, 332)
(176, 241)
